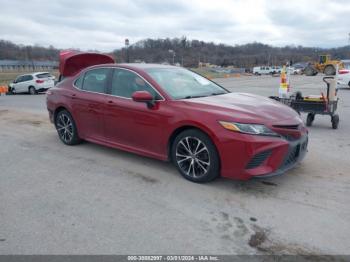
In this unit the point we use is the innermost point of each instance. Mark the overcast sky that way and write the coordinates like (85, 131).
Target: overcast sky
(104, 24)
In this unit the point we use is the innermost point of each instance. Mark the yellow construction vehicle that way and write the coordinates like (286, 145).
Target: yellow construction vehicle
(325, 65)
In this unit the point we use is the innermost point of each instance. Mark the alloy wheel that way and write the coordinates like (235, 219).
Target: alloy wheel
(192, 156)
(65, 127)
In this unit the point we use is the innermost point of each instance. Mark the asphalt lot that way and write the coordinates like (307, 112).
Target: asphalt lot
(89, 199)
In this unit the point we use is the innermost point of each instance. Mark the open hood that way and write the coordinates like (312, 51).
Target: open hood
(72, 62)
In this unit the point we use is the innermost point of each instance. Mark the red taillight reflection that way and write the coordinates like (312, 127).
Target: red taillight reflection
(39, 81)
(341, 72)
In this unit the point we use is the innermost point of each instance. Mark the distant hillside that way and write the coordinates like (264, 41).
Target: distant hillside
(9, 50)
(188, 53)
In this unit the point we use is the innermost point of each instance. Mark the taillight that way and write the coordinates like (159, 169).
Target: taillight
(39, 81)
(341, 72)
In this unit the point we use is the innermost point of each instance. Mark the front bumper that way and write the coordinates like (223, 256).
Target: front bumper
(246, 156)
(296, 153)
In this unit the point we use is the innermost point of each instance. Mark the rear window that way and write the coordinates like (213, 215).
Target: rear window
(95, 80)
(43, 75)
(79, 82)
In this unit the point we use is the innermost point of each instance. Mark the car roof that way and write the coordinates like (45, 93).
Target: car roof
(136, 66)
(146, 66)
(33, 74)
(41, 73)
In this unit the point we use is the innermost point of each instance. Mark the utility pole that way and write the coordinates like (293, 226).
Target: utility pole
(127, 50)
(172, 52)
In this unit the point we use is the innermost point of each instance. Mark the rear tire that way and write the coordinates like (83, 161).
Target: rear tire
(329, 70)
(335, 121)
(32, 90)
(195, 156)
(66, 128)
(310, 119)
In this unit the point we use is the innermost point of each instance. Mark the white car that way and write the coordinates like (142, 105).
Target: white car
(266, 70)
(344, 77)
(32, 83)
(294, 70)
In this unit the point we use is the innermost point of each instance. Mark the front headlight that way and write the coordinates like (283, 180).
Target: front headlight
(252, 129)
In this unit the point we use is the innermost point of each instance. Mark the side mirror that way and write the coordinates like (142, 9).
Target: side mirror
(143, 96)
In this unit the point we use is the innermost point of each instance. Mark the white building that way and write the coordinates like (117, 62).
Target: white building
(22, 65)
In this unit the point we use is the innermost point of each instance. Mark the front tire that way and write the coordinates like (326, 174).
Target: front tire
(309, 71)
(12, 91)
(66, 128)
(195, 156)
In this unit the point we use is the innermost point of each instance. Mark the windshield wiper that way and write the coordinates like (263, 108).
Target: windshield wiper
(212, 94)
(188, 97)
(219, 93)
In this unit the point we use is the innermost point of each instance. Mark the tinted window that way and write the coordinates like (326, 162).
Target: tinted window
(19, 79)
(79, 82)
(43, 75)
(27, 78)
(125, 83)
(95, 80)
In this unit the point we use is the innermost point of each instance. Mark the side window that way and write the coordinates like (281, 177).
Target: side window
(95, 80)
(125, 83)
(79, 82)
(19, 79)
(27, 78)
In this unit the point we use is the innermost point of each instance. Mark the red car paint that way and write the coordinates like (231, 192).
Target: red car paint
(71, 62)
(132, 126)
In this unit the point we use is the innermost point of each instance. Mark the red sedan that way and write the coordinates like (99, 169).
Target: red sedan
(171, 113)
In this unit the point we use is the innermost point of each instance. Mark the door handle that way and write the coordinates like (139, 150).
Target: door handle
(73, 96)
(110, 102)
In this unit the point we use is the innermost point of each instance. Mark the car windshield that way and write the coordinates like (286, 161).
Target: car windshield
(180, 83)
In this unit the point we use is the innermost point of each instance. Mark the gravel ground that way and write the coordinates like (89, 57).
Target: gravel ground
(89, 199)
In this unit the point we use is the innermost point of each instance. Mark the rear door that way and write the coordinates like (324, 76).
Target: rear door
(89, 103)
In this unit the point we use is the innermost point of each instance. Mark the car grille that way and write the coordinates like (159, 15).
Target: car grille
(289, 137)
(294, 153)
(293, 127)
(292, 156)
(258, 159)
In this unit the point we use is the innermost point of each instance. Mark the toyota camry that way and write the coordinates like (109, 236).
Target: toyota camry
(173, 114)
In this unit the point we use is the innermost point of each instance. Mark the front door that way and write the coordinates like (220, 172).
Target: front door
(133, 125)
